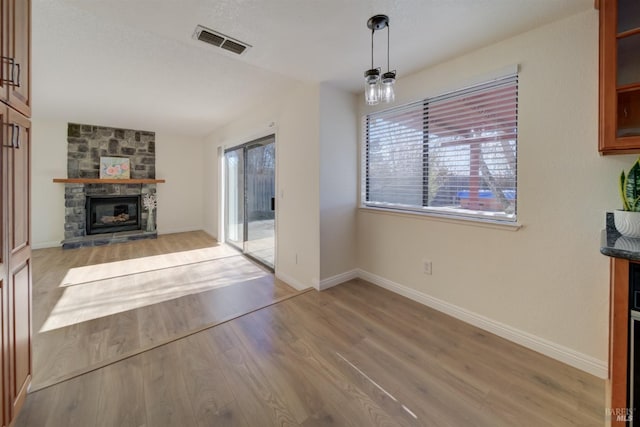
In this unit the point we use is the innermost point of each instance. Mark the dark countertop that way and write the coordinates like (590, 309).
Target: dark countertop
(615, 245)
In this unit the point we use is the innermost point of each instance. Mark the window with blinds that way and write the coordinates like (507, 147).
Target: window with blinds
(454, 154)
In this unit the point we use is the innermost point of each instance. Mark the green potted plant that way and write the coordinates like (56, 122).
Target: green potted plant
(627, 220)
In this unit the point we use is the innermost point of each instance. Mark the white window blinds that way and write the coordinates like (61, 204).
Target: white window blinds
(453, 154)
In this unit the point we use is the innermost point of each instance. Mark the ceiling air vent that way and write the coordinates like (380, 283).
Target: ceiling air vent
(220, 40)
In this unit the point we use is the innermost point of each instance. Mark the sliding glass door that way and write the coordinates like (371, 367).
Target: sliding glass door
(234, 197)
(250, 200)
(260, 198)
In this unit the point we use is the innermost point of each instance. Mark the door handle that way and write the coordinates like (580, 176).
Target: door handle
(273, 203)
(14, 79)
(15, 136)
(17, 80)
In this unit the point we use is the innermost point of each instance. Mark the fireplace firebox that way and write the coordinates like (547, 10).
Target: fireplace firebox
(110, 214)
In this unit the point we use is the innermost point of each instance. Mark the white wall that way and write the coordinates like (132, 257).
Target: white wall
(48, 161)
(180, 201)
(338, 182)
(295, 120)
(546, 284)
(178, 160)
(210, 187)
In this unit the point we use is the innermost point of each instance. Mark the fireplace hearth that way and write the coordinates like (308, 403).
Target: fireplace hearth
(110, 214)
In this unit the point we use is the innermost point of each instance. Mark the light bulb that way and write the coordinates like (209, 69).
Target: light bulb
(372, 88)
(387, 93)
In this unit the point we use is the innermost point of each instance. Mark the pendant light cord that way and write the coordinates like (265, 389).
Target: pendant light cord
(372, 31)
(388, 37)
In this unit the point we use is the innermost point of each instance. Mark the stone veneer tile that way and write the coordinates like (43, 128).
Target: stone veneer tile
(87, 143)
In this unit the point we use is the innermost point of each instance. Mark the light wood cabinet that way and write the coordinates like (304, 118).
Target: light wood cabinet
(619, 77)
(15, 207)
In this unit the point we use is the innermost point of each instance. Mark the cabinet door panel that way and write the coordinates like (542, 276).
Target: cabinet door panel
(20, 50)
(628, 15)
(19, 186)
(629, 113)
(5, 142)
(21, 339)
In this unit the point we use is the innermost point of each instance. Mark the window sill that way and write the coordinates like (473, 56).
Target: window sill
(473, 222)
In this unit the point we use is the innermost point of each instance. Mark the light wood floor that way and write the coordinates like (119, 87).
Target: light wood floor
(94, 306)
(354, 355)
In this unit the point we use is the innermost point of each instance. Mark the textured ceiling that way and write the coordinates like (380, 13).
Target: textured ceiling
(134, 63)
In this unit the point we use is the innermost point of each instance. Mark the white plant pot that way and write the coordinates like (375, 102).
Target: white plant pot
(627, 223)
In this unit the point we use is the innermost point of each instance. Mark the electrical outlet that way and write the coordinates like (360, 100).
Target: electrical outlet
(426, 265)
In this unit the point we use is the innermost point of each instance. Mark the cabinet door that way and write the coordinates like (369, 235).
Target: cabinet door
(619, 77)
(5, 68)
(19, 257)
(5, 414)
(20, 52)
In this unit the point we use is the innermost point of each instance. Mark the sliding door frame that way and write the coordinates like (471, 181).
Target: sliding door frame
(245, 147)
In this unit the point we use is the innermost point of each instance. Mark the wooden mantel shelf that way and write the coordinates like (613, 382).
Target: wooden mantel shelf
(107, 181)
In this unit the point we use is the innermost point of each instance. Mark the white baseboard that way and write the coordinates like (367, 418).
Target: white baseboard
(209, 234)
(45, 245)
(566, 355)
(291, 281)
(337, 279)
(178, 230)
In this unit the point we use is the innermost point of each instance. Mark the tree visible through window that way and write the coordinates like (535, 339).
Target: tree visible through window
(453, 154)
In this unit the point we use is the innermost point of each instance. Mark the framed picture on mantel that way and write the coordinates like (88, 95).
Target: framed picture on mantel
(114, 168)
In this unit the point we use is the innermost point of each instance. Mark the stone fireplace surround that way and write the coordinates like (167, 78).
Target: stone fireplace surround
(86, 144)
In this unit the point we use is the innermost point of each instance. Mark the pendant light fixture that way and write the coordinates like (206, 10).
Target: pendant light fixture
(379, 89)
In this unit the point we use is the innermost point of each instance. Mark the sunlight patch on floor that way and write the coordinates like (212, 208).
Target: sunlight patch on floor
(262, 249)
(106, 289)
(109, 270)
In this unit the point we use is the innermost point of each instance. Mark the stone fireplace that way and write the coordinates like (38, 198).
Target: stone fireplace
(97, 213)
